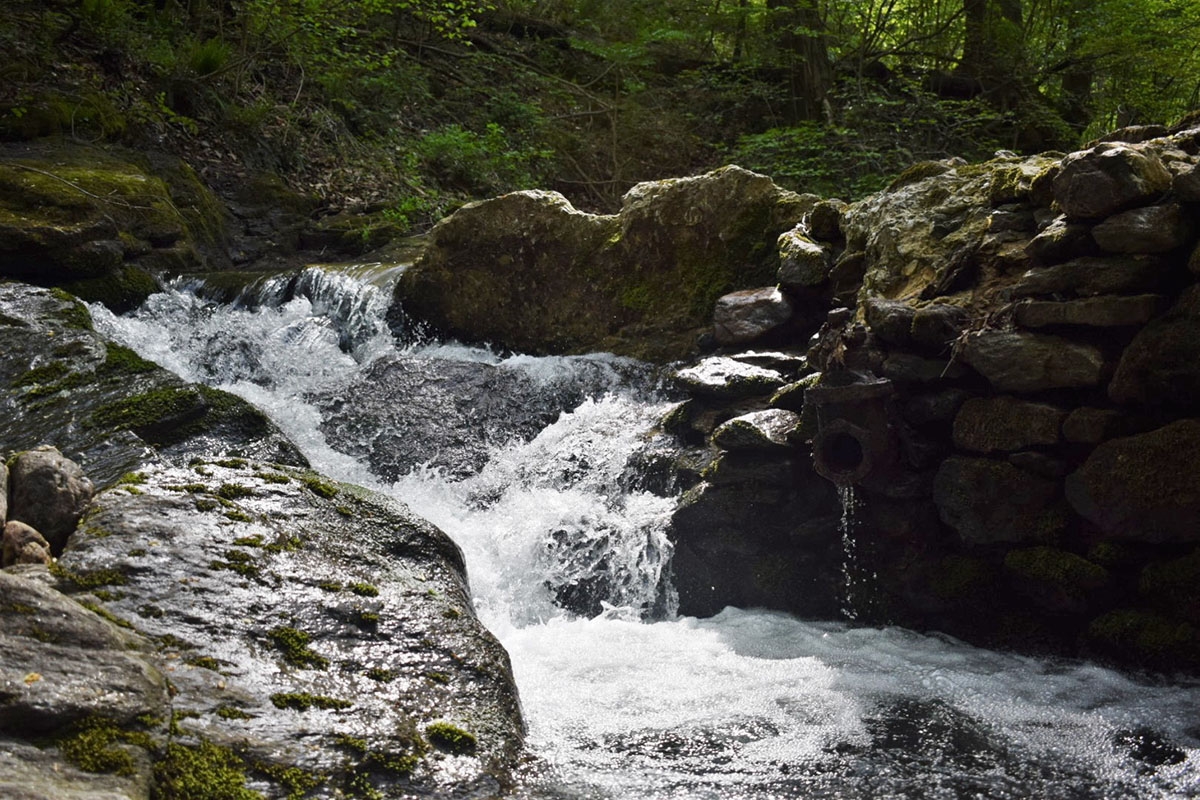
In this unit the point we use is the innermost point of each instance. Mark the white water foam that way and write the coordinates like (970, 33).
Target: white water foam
(747, 704)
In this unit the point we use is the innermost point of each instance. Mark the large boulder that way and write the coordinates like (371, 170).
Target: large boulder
(313, 632)
(529, 272)
(988, 502)
(49, 493)
(1161, 366)
(101, 222)
(1110, 177)
(55, 368)
(1014, 361)
(926, 236)
(1143, 488)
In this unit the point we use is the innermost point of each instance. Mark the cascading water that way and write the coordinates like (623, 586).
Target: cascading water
(623, 698)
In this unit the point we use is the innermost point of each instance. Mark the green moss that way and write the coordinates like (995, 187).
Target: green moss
(150, 612)
(76, 314)
(234, 491)
(231, 463)
(120, 361)
(147, 411)
(274, 477)
(284, 544)
(131, 478)
(204, 772)
(319, 487)
(243, 567)
(46, 374)
(249, 541)
(107, 596)
(1134, 634)
(352, 743)
(104, 613)
(297, 782)
(207, 505)
(438, 677)
(1058, 567)
(232, 712)
(364, 589)
(121, 290)
(917, 172)
(238, 516)
(206, 662)
(329, 586)
(89, 579)
(450, 738)
(381, 675)
(303, 701)
(293, 644)
(93, 746)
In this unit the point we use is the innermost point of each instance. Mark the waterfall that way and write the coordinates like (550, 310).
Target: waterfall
(570, 567)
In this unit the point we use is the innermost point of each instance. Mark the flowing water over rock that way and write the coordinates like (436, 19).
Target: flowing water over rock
(569, 566)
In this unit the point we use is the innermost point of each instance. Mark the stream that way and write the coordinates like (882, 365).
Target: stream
(570, 567)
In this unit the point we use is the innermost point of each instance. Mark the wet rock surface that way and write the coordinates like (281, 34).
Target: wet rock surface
(218, 622)
(303, 625)
(1028, 480)
(406, 413)
(100, 404)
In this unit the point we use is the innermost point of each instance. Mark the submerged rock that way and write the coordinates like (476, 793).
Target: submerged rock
(405, 412)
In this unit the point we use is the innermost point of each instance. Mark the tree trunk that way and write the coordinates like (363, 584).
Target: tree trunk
(993, 49)
(799, 34)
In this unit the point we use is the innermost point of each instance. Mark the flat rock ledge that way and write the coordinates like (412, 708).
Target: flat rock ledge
(256, 629)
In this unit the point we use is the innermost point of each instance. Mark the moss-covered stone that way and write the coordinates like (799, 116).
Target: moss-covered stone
(1140, 636)
(529, 272)
(1058, 580)
(1173, 585)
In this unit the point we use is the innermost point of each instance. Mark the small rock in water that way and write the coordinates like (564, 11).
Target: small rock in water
(49, 492)
(23, 545)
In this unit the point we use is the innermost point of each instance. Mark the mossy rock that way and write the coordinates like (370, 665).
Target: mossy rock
(83, 216)
(528, 272)
(126, 288)
(1056, 580)
(1174, 586)
(1137, 636)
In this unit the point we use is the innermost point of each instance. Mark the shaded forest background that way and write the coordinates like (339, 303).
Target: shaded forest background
(408, 108)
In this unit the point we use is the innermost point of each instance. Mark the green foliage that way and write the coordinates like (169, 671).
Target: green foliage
(479, 164)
